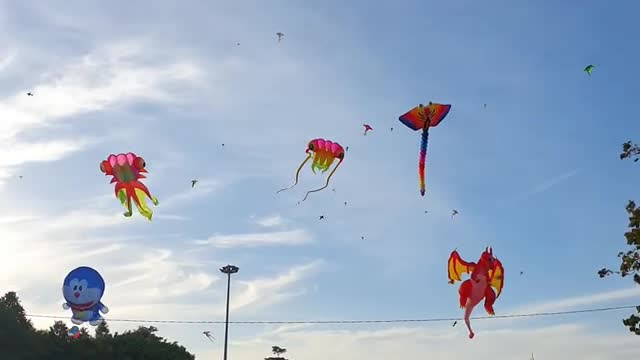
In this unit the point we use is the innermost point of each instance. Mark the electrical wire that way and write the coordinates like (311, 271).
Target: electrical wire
(538, 314)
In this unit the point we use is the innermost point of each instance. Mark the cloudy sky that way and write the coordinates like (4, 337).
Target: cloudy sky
(535, 174)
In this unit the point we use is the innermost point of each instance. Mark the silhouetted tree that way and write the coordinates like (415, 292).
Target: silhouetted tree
(630, 259)
(20, 341)
(277, 351)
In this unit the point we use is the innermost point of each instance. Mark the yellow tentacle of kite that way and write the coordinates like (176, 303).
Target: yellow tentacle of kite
(297, 173)
(328, 179)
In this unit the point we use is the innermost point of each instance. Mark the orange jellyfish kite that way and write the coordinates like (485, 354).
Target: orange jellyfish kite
(323, 152)
(127, 170)
(424, 117)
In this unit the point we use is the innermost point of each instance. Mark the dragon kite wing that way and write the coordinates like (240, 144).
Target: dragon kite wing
(456, 267)
(496, 276)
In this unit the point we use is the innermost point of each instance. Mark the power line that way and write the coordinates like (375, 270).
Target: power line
(538, 314)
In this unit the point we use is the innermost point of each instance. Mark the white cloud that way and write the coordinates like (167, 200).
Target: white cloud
(548, 184)
(583, 301)
(107, 77)
(293, 237)
(270, 221)
(568, 341)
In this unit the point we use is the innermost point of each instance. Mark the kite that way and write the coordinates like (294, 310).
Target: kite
(280, 35)
(126, 170)
(29, 93)
(454, 213)
(488, 273)
(193, 183)
(366, 128)
(208, 335)
(74, 332)
(421, 117)
(324, 152)
(82, 290)
(589, 69)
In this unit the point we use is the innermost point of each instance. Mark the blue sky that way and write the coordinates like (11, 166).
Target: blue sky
(535, 174)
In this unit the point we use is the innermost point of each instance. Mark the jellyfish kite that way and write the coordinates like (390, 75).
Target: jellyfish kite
(324, 152)
(424, 117)
(127, 170)
(82, 290)
(484, 276)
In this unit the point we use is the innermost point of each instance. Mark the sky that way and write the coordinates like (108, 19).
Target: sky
(535, 174)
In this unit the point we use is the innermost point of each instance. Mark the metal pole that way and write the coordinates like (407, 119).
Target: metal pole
(226, 323)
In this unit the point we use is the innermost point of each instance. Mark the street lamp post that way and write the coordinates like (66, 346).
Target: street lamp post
(229, 269)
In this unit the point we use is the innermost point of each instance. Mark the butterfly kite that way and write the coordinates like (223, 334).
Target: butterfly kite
(127, 170)
(424, 117)
(323, 152)
(486, 274)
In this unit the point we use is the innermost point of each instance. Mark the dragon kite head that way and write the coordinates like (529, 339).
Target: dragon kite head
(487, 258)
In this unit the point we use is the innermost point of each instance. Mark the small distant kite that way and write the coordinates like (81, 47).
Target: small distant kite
(424, 117)
(366, 128)
(237, 44)
(589, 69)
(193, 183)
(74, 332)
(127, 170)
(29, 93)
(321, 217)
(208, 335)
(280, 35)
(324, 152)
(454, 213)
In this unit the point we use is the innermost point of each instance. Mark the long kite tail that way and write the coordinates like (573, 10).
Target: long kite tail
(423, 158)
(328, 179)
(297, 173)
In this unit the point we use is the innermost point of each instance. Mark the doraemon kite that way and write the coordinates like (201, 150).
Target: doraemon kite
(82, 289)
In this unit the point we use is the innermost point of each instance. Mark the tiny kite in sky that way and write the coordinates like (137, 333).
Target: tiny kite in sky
(127, 170)
(485, 106)
(454, 323)
(193, 183)
(324, 152)
(391, 129)
(74, 332)
(589, 69)
(280, 35)
(424, 117)
(321, 217)
(20, 176)
(347, 149)
(29, 93)
(454, 213)
(366, 128)
(237, 44)
(488, 273)
(208, 335)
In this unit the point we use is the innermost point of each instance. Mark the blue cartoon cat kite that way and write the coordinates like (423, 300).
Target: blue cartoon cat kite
(82, 289)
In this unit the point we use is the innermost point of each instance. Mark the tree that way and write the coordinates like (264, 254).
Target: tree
(20, 341)
(630, 259)
(102, 330)
(277, 351)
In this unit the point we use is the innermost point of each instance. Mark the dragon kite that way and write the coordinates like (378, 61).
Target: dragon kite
(485, 275)
(127, 170)
(424, 117)
(324, 153)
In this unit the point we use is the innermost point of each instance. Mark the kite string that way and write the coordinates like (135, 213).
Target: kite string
(327, 183)
(538, 314)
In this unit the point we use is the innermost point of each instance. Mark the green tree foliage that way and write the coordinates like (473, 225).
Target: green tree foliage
(277, 351)
(630, 259)
(20, 341)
